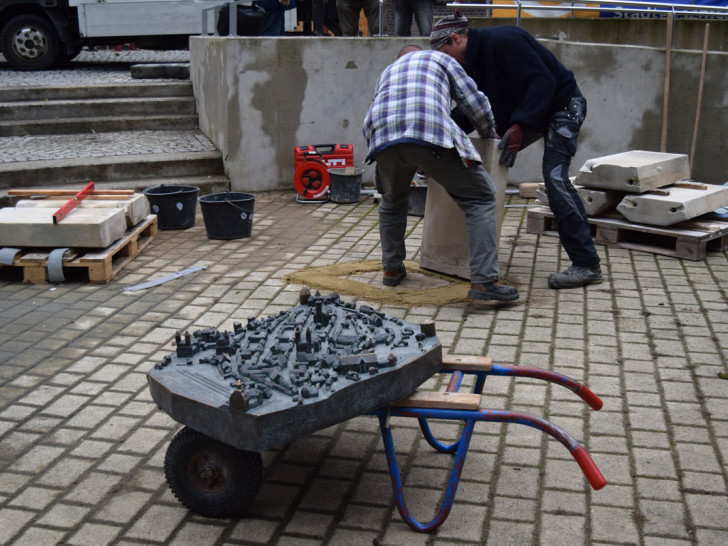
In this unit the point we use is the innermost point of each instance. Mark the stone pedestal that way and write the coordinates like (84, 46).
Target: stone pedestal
(444, 238)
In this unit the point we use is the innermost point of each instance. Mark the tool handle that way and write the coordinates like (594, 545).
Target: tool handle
(589, 468)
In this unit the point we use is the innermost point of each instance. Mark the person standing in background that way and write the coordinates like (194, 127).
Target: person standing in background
(422, 11)
(349, 16)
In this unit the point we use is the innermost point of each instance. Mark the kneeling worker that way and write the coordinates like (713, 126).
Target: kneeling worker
(409, 127)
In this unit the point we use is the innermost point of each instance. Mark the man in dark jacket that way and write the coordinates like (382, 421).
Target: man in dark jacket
(532, 95)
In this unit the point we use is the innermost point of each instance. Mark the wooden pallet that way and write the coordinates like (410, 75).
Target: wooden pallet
(690, 240)
(100, 266)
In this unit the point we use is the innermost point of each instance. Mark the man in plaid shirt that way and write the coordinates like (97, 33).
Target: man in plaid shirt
(408, 127)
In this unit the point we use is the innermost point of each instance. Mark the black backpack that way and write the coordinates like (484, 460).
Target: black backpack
(250, 20)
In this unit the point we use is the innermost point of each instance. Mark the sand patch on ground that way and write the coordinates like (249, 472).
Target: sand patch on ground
(364, 280)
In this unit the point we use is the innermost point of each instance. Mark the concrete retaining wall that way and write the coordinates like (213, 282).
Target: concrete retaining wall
(259, 98)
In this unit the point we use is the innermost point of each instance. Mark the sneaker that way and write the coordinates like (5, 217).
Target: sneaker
(576, 276)
(393, 278)
(493, 291)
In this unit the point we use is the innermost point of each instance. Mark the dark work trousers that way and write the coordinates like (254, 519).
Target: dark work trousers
(565, 203)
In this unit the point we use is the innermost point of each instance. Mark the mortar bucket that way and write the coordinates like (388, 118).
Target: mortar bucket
(175, 206)
(345, 185)
(228, 215)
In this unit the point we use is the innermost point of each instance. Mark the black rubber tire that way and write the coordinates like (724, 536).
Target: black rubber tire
(233, 477)
(30, 43)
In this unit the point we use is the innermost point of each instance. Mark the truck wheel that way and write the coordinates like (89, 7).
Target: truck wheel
(30, 43)
(211, 478)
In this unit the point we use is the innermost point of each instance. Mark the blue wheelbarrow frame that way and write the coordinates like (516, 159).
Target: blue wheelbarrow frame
(453, 405)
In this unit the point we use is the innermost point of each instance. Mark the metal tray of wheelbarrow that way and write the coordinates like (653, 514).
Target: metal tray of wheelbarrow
(286, 376)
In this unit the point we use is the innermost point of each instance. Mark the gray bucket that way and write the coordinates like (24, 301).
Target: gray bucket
(345, 186)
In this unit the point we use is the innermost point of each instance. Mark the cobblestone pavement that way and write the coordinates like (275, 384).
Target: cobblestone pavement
(82, 444)
(91, 67)
(40, 147)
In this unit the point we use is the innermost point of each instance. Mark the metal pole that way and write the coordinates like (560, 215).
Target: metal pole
(700, 96)
(381, 18)
(666, 98)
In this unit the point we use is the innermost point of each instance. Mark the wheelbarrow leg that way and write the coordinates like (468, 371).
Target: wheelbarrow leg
(462, 448)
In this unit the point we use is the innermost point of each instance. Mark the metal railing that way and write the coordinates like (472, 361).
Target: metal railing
(618, 6)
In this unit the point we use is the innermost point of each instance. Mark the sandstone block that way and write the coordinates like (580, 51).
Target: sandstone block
(634, 172)
(82, 228)
(135, 208)
(674, 204)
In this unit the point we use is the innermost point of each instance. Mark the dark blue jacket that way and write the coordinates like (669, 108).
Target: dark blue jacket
(523, 80)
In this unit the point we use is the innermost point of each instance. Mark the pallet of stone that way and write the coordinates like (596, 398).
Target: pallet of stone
(690, 240)
(99, 266)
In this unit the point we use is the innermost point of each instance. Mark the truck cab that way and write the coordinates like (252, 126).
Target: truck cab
(42, 34)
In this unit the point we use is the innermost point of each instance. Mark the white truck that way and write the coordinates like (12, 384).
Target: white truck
(41, 34)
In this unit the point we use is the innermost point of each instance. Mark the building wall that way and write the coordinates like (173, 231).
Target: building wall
(259, 98)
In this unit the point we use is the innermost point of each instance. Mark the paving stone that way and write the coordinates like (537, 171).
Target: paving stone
(12, 521)
(613, 525)
(94, 533)
(157, 523)
(37, 535)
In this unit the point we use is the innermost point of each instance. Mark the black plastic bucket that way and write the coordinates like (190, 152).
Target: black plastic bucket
(345, 186)
(417, 200)
(228, 215)
(175, 206)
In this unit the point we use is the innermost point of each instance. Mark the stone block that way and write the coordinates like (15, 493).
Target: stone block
(674, 204)
(598, 202)
(83, 227)
(634, 172)
(445, 246)
(135, 208)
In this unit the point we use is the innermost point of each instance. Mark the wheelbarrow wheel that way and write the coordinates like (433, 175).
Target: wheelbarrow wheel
(211, 478)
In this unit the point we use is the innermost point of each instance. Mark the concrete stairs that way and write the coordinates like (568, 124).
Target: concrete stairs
(120, 136)
(103, 108)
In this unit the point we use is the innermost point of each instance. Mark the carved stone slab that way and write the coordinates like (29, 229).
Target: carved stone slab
(598, 202)
(634, 172)
(283, 377)
(674, 204)
(82, 228)
(135, 207)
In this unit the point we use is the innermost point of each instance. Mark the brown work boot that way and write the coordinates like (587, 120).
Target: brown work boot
(492, 291)
(393, 278)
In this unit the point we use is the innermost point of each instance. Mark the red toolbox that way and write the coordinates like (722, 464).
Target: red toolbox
(311, 176)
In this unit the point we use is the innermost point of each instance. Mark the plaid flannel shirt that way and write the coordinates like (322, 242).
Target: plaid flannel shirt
(412, 103)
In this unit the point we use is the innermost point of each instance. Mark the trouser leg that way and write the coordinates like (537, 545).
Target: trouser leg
(564, 200)
(394, 174)
(371, 11)
(402, 17)
(348, 16)
(423, 10)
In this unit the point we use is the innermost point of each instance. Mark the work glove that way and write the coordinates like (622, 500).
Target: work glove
(510, 144)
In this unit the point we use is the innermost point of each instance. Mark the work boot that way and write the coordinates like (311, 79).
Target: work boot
(492, 291)
(576, 276)
(393, 278)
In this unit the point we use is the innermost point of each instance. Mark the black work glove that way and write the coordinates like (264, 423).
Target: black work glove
(510, 144)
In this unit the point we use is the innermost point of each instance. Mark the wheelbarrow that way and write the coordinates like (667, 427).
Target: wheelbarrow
(215, 479)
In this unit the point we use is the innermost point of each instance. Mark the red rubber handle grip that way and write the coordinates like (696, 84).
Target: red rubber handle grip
(589, 468)
(590, 398)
